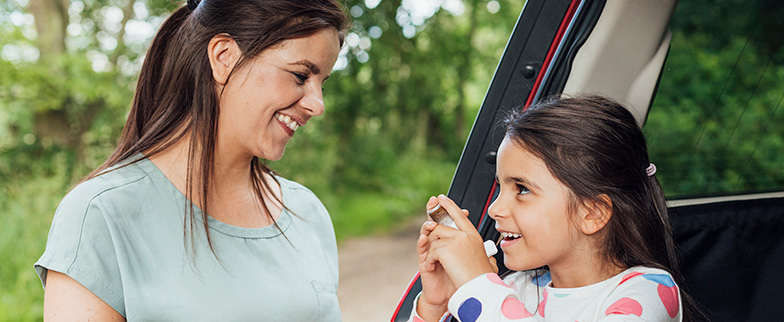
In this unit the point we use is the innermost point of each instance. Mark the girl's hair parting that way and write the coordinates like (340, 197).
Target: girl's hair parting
(594, 146)
(176, 94)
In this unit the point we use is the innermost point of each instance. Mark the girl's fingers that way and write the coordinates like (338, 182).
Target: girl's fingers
(422, 253)
(427, 228)
(494, 264)
(462, 222)
(431, 203)
(432, 254)
(422, 246)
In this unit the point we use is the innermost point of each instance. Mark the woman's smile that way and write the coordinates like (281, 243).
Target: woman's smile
(288, 123)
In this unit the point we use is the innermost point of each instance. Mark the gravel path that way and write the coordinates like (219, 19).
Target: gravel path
(374, 272)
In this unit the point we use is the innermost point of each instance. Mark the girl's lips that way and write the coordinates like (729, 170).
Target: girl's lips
(506, 242)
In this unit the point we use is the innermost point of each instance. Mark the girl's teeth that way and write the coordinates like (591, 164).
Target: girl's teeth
(511, 235)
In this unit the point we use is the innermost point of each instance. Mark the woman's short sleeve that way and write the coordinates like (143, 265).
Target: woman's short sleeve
(80, 245)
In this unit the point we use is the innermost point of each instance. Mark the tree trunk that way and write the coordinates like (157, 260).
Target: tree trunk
(51, 21)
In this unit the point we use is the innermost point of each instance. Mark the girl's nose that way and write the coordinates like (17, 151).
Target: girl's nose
(495, 210)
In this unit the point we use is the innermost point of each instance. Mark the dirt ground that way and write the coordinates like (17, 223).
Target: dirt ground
(374, 272)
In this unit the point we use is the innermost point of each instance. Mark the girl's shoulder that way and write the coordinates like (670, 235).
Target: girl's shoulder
(643, 274)
(644, 291)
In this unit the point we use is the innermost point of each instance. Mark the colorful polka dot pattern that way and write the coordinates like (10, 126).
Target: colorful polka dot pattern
(625, 306)
(667, 290)
(513, 309)
(496, 279)
(469, 310)
(543, 303)
(628, 276)
(542, 280)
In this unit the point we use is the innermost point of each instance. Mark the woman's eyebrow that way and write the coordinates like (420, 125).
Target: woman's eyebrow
(310, 65)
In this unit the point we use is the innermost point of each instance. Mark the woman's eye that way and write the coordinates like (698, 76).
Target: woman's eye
(522, 190)
(301, 78)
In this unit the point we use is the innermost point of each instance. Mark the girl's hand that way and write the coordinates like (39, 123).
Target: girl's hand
(448, 258)
(437, 287)
(460, 252)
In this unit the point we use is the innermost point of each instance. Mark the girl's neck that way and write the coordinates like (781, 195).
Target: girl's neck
(590, 267)
(582, 277)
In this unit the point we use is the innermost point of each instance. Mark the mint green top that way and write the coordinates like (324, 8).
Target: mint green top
(121, 235)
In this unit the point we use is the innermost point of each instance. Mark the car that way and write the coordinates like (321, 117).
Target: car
(731, 240)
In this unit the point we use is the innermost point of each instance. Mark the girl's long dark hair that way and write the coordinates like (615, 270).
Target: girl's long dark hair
(176, 94)
(593, 146)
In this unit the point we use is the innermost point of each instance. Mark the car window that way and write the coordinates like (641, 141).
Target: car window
(716, 125)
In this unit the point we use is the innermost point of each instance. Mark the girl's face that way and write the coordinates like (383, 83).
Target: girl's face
(532, 212)
(274, 94)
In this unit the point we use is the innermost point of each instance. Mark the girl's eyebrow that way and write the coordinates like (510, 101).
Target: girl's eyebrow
(516, 180)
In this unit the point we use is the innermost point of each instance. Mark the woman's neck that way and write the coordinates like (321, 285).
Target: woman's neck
(231, 197)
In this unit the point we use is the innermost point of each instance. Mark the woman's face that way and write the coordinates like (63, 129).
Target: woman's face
(274, 94)
(531, 211)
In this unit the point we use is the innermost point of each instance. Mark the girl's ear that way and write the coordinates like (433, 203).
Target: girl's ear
(596, 214)
(223, 54)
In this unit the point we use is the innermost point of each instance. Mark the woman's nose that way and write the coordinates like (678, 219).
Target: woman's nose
(313, 100)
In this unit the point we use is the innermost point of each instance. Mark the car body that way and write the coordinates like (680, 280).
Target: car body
(731, 244)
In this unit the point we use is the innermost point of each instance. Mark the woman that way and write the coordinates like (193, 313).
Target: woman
(183, 222)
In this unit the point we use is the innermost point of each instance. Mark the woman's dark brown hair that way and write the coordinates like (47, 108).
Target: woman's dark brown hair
(594, 147)
(176, 94)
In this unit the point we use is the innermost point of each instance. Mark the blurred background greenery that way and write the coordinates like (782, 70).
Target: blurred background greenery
(400, 104)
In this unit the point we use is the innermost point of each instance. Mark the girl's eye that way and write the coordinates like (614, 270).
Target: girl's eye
(301, 78)
(522, 190)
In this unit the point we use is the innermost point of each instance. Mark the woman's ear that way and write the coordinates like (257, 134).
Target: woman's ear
(223, 53)
(596, 214)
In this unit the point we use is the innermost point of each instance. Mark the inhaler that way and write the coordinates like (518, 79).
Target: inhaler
(441, 216)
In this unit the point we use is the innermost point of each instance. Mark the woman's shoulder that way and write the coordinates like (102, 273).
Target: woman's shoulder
(295, 192)
(123, 182)
(293, 186)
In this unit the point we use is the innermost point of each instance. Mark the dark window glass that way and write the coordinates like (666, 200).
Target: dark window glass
(716, 126)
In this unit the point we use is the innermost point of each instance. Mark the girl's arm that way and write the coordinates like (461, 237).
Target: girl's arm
(67, 300)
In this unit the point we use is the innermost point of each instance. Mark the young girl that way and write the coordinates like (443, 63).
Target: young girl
(583, 221)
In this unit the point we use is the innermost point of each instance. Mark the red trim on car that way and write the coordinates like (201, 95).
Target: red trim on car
(403, 298)
(545, 65)
(487, 204)
(553, 47)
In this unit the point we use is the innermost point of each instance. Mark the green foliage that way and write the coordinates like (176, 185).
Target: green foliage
(27, 213)
(713, 129)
